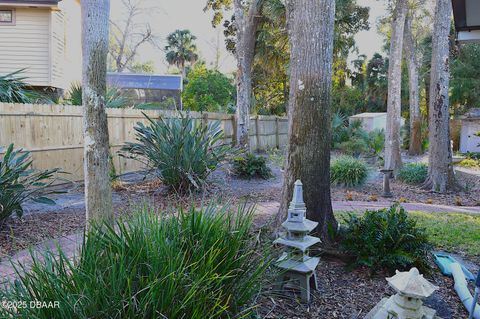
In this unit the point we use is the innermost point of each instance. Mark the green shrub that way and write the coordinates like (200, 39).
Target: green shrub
(470, 163)
(208, 91)
(413, 173)
(250, 165)
(14, 89)
(200, 264)
(473, 155)
(348, 171)
(19, 182)
(181, 151)
(387, 238)
(376, 142)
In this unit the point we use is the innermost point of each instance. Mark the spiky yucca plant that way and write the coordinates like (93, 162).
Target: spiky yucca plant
(14, 89)
(182, 152)
(19, 182)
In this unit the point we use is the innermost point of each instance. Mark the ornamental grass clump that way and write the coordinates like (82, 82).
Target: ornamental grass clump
(19, 182)
(413, 173)
(386, 239)
(201, 263)
(348, 171)
(181, 152)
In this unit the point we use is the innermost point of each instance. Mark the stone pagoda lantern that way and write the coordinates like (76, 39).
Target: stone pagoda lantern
(407, 303)
(297, 268)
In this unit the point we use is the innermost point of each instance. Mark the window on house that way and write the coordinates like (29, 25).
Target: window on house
(7, 16)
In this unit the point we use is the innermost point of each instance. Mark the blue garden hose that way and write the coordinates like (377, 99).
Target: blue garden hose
(475, 296)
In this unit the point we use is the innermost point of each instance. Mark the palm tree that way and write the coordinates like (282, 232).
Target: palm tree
(181, 49)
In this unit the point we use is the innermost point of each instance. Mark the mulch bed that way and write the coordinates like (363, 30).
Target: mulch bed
(21, 233)
(345, 293)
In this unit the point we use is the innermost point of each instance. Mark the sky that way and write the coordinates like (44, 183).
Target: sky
(165, 16)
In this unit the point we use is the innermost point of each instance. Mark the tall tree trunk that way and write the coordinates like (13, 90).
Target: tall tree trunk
(410, 49)
(311, 25)
(98, 193)
(393, 159)
(246, 20)
(440, 169)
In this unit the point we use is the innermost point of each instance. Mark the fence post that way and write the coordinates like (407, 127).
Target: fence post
(277, 133)
(205, 119)
(234, 129)
(257, 132)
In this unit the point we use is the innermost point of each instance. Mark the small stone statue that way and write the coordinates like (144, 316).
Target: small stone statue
(407, 303)
(295, 264)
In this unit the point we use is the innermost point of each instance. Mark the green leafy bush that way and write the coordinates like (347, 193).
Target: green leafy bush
(387, 238)
(181, 151)
(208, 90)
(250, 165)
(348, 171)
(470, 163)
(203, 263)
(19, 182)
(413, 173)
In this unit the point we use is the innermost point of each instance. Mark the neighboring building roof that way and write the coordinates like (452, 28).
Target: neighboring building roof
(368, 114)
(42, 3)
(145, 81)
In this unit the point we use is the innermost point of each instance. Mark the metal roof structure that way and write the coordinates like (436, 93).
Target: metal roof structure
(39, 3)
(145, 81)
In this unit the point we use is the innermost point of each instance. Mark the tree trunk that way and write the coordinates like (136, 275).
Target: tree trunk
(98, 193)
(440, 169)
(246, 23)
(393, 159)
(311, 25)
(410, 49)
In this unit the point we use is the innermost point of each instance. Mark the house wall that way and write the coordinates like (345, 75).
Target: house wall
(26, 45)
(468, 141)
(46, 42)
(57, 49)
(72, 31)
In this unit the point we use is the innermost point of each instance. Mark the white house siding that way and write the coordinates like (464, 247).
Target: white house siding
(57, 50)
(25, 45)
(73, 41)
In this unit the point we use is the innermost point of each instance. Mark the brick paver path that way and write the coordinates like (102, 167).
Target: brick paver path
(265, 210)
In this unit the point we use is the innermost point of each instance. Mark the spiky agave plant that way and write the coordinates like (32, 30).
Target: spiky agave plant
(114, 98)
(19, 182)
(14, 89)
(180, 151)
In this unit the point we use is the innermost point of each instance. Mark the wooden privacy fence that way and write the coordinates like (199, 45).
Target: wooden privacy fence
(54, 133)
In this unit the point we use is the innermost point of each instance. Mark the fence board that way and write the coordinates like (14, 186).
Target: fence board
(54, 133)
